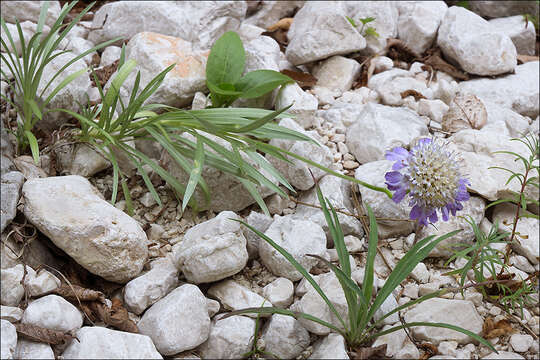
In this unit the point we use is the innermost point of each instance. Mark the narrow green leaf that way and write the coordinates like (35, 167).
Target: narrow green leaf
(196, 173)
(32, 141)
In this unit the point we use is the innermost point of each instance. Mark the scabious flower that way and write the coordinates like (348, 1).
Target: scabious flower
(430, 176)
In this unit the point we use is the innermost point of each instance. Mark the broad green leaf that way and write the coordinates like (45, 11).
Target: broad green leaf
(259, 82)
(226, 59)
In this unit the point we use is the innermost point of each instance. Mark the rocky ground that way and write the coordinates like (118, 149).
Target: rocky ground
(155, 284)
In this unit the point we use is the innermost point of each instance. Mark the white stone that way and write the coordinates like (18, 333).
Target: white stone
(10, 188)
(212, 250)
(28, 29)
(385, 14)
(521, 263)
(408, 351)
(519, 91)
(338, 192)
(279, 292)
(42, 283)
(298, 173)
(8, 340)
(504, 355)
(80, 159)
(145, 290)
(420, 273)
(418, 23)
(320, 30)
(434, 109)
(337, 73)
(460, 313)
(78, 46)
(298, 238)
(33, 350)
(70, 95)
(304, 103)
(213, 307)
(101, 343)
(10, 313)
(504, 120)
(234, 296)
(390, 84)
(271, 12)
(444, 90)
(154, 52)
(229, 338)
(380, 203)
(522, 34)
(470, 41)
(394, 340)
(312, 303)
(527, 235)
(178, 322)
(199, 22)
(53, 312)
(381, 128)
(101, 238)
(521, 343)
(285, 337)
(382, 63)
(260, 222)
(29, 10)
(388, 305)
(12, 291)
(495, 9)
(474, 207)
(248, 32)
(331, 346)
(110, 55)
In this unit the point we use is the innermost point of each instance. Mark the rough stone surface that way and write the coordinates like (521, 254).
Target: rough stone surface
(504, 355)
(53, 312)
(521, 343)
(97, 342)
(320, 30)
(212, 250)
(110, 55)
(304, 104)
(298, 238)
(260, 222)
(80, 160)
(394, 341)
(523, 37)
(495, 9)
(199, 22)
(8, 340)
(271, 12)
(101, 238)
(388, 305)
(434, 109)
(390, 84)
(29, 10)
(78, 45)
(28, 29)
(380, 203)
(337, 73)
(418, 23)
(381, 128)
(519, 91)
(33, 350)
(298, 173)
(178, 322)
(10, 188)
(234, 296)
(229, 338)
(331, 346)
(470, 41)
(284, 336)
(279, 292)
(42, 283)
(460, 313)
(145, 290)
(10, 313)
(12, 289)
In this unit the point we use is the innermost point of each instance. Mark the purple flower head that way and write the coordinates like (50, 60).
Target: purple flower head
(430, 176)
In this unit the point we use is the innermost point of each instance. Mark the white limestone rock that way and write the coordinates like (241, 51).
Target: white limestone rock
(212, 250)
(420, 273)
(97, 342)
(504, 355)
(460, 313)
(27, 349)
(101, 238)
(234, 296)
(53, 312)
(337, 73)
(523, 36)
(504, 120)
(213, 307)
(10, 188)
(78, 45)
(388, 305)
(28, 29)
(418, 23)
(470, 41)
(381, 128)
(474, 207)
(298, 238)
(338, 192)
(521, 343)
(279, 292)
(298, 173)
(390, 84)
(260, 222)
(518, 92)
(12, 290)
(10, 313)
(8, 340)
(42, 283)
(229, 338)
(332, 346)
(304, 104)
(178, 322)
(272, 11)
(408, 351)
(434, 109)
(394, 340)
(29, 10)
(80, 159)
(110, 55)
(321, 30)
(145, 290)
(380, 203)
(200, 22)
(285, 337)
(248, 32)
(385, 14)
(496, 9)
